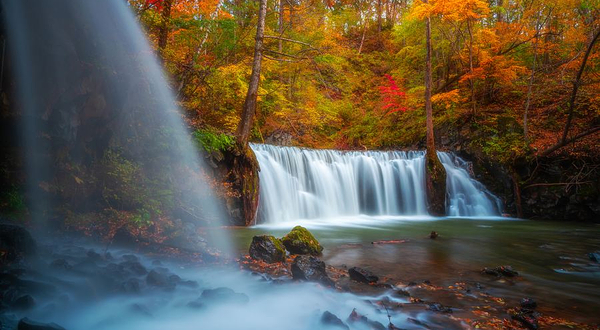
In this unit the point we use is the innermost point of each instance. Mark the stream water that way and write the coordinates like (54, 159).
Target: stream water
(551, 257)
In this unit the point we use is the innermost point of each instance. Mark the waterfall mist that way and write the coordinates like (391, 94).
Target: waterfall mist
(101, 127)
(298, 183)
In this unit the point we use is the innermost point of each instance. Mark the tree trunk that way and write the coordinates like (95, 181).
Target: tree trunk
(245, 125)
(529, 92)
(435, 173)
(471, 82)
(163, 32)
(576, 83)
(280, 25)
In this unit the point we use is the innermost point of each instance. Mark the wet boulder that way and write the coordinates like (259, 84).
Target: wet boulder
(312, 269)
(528, 303)
(160, 279)
(333, 321)
(27, 324)
(301, 241)
(364, 322)
(362, 275)
(16, 242)
(594, 256)
(221, 295)
(24, 303)
(506, 271)
(267, 248)
(528, 318)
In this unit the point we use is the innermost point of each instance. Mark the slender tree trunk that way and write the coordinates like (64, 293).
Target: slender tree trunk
(245, 125)
(163, 32)
(530, 87)
(435, 172)
(280, 25)
(362, 40)
(471, 82)
(379, 14)
(576, 84)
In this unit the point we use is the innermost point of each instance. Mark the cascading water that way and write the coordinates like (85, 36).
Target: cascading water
(467, 196)
(100, 124)
(299, 183)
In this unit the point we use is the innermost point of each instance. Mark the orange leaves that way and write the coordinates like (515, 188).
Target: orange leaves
(447, 100)
(453, 10)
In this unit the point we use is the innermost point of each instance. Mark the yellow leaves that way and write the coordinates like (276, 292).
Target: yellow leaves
(447, 100)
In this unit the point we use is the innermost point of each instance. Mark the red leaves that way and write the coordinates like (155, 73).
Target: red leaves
(157, 4)
(393, 96)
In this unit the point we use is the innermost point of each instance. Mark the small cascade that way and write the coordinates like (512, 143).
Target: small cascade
(467, 196)
(299, 183)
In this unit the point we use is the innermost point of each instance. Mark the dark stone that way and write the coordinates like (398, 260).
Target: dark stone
(24, 302)
(159, 279)
(312, 269)
(132, 285)
(61, 264)
(134, 267)
(16, 242)
(527, 318)
(594, 256)
(130, 257)
(433, 235)
(124, 238)
(141, 310)
(500, 271)
(94, 256)
(401, 293)
(528, 303)
(362, 275)
(27, 324)
(435, 307)
(223, 295)
(300, 241)
(363, 321)
(331, 320)
(267, 248)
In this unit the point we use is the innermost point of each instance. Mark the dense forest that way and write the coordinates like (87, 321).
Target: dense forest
(514, 84)
(518, 78)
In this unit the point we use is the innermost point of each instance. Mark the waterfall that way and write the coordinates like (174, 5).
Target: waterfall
(300, 183)
(467, 196)
(100, 126)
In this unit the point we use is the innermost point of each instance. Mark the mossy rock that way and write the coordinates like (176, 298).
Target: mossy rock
(267, 248)
(301, 241)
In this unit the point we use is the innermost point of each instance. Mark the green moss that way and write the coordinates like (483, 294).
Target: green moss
(267, 248)
(301, 241)
(211, 140)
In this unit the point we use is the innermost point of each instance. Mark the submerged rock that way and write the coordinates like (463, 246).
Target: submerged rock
(312, 269)
(27, 324)
(363, 321)
(433, 235)
(159, 279)
(331, 320)
(594, 256)
(436, 307)
(16, 242)
(301, 241)
(500, 271)
(267, 248)
(223, 295)
(61, 264)
(24, 302)
(528, 303)
(527, 318)
(362, 275)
